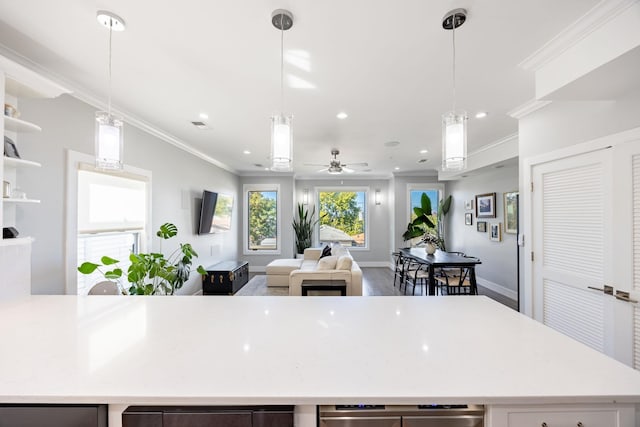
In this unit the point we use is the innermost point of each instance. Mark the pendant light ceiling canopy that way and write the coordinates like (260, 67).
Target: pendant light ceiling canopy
(454, 123)
(281, 133)
(109, 135)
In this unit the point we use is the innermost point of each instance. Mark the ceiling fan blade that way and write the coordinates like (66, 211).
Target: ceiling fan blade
(324, 170)
(316, 164)
(347, 170)
(358, 164)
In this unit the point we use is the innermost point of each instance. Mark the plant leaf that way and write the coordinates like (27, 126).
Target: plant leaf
(114, 274)
(167, 230)
(108, 261)
(88, 267)
(201, 270)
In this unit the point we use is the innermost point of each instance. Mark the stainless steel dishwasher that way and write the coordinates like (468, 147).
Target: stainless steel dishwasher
(401, 416)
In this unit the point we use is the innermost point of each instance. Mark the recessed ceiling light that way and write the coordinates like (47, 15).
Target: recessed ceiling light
(342, 115)
(246, 152)
(392, 143)
(481, 114)
(397, 168)
(424, 151)
(266, 169)
(203, 116)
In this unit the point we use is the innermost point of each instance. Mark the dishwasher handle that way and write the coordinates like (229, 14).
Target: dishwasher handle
(391, 421)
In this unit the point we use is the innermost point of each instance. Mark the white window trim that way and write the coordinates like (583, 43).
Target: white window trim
(422, 186)
(245, 218)
(74, 159)
(369, 200)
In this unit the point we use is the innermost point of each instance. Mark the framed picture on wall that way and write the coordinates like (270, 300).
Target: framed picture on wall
(468, 204)
(486, 205)
(482, 226)
(468, 218)
(511, 212)
(496, 232)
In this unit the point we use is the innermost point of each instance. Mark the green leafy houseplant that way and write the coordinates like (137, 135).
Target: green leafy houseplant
(303, 228)
(150, 274)
(423, 224)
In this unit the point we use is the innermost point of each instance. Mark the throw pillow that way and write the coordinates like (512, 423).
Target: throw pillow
(326, 252)
(344, 263)
(327, 263)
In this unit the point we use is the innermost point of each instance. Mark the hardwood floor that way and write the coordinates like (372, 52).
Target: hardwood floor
(378, 281)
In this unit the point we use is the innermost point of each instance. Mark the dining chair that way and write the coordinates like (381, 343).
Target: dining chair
(456, 281)
(398, 274)
(416, 274)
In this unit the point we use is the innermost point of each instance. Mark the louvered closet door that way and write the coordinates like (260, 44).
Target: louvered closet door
(571, 221)
(586, 234)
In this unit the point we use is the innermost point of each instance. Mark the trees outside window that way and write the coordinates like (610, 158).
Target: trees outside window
(343, 216)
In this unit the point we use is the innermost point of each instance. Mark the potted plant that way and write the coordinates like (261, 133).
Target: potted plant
(150, 274)
(303, 228)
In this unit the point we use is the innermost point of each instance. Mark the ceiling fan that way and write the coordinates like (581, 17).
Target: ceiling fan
(335, 167)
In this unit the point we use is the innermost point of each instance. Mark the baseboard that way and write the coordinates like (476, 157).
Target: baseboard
(509, 293)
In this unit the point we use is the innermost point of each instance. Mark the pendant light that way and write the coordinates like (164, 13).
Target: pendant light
(109, 135)
(281, 134)
(454, 123)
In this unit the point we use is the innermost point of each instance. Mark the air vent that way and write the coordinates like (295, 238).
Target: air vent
(423, 160)
(200, 125)
(258, 165)
(392, 143)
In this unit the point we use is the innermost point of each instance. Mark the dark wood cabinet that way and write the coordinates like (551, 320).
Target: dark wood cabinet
(53, 415)
(225, 278)
(208, 416)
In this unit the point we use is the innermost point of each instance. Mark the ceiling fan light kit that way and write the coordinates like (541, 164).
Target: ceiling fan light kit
(281, 129)
(109, 129)
(454, 123)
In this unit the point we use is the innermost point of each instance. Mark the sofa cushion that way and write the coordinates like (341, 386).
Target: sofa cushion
(283, 266)
(326, 252)
(344, 263)
(327, 263)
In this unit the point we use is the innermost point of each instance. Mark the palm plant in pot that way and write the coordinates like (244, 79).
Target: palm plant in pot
(152, 273)
(303, 228)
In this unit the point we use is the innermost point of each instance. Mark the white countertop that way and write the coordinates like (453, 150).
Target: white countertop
(294, 350)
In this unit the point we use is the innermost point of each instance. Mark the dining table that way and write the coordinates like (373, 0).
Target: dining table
(442, 259)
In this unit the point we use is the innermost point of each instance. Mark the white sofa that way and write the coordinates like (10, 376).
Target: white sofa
(291, 272)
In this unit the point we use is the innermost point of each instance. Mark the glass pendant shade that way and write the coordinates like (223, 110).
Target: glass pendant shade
(109, 141)
(454, 141)
(281, 143)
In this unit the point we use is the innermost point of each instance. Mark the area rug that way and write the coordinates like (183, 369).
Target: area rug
(258, 287)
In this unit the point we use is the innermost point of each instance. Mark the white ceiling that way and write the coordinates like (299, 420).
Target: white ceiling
(388, 67)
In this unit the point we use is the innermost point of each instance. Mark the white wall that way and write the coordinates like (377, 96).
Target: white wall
(177, 184)
(499, 259)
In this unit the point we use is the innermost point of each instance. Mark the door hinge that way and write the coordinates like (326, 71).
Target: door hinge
(532, 256)
(532, 186)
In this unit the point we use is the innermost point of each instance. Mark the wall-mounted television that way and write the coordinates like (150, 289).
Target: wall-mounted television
(215, 212)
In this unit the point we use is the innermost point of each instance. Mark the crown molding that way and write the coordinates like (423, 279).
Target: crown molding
(527, 108)
(597, 16)
(507, 139)
(91, 99)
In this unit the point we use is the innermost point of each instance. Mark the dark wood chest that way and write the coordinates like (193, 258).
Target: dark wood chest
(225, 278)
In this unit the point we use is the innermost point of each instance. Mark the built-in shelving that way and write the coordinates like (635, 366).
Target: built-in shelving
(16, 241)
(16, 125)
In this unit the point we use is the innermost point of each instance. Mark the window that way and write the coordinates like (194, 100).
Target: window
(343, 217)
(262, 220)
(111, 220)
(414, 192)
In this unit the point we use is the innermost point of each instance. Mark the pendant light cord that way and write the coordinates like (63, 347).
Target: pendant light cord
(282, 64)
(110, 34)
(453, 22)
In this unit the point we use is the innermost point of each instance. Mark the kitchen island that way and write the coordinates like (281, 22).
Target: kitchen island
(303, 351)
